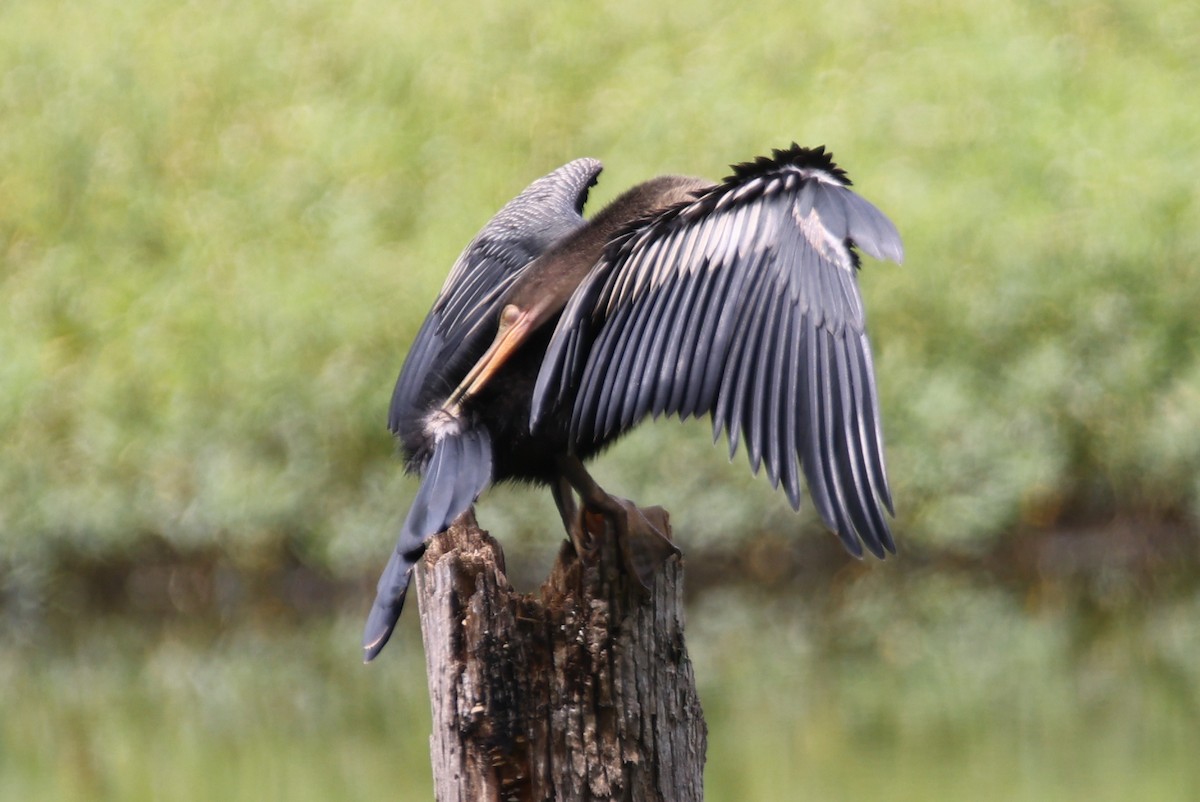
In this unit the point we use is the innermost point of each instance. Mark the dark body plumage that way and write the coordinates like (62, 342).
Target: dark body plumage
(553, 336)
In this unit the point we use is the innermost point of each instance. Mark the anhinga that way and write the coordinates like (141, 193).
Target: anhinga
(553, 336)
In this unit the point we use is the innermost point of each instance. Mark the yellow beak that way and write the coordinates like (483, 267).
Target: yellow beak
(515, 326)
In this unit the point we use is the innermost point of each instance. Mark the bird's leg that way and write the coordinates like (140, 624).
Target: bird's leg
(581, 538)
(641, 537)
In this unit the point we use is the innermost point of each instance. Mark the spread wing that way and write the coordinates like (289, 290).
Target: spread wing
(545, 211)
(743, 304)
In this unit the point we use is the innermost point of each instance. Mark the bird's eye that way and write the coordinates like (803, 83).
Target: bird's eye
(509, 315)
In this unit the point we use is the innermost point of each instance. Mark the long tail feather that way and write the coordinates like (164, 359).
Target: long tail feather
(459, 470)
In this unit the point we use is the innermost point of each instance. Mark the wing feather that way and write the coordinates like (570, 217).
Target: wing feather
(774, 406)
(758, 380)
(789, 411)
(545, 211)
(616, 383)
(743, 379)
(743, 304)
(837, 516)
(611, 347)
(808, 440)
(647, 354)
(709, 347)
(862, 512)
(689, 344)
(733, 316)
(872, 437)
(690, 307)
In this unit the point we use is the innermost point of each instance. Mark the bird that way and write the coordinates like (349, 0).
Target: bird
(553, 335)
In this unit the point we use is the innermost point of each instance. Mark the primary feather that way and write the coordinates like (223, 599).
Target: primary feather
(743, 304)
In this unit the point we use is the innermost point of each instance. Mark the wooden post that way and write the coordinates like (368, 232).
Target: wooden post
(581, 692)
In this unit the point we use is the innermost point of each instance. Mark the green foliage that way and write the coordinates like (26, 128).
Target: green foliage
(221, 223)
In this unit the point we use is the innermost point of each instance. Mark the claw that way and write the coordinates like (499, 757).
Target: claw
(592, 526)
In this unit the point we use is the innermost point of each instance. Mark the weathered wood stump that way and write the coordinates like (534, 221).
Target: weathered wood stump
(583, 691)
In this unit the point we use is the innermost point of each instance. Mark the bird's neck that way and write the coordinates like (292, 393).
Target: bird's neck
(549, 282)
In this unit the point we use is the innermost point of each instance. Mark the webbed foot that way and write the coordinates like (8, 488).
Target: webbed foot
(641, 533)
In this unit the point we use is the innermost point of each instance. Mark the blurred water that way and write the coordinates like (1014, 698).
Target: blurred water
(925, 688)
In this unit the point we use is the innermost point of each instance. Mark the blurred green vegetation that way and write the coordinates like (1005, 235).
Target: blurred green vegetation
(221, 224)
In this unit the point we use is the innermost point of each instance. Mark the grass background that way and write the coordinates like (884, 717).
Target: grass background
(221, 223)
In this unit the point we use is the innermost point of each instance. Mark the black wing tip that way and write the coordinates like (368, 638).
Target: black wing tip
(795, 156)
(889, 546)
(851, 542)
(880, 544)
(594, 167)
(859, 538)
(854, 543)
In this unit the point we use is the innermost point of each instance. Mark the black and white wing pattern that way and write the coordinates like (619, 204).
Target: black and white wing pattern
(545, 211)
(743, 304)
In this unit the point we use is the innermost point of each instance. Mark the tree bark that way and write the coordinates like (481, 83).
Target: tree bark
(583, 691)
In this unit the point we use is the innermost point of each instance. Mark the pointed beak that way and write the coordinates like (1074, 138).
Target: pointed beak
(515, 326)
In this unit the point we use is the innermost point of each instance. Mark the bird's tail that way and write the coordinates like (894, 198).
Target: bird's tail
(457, 472)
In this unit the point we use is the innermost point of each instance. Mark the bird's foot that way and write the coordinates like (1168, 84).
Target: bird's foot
(641, 533)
